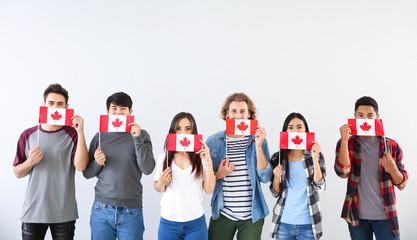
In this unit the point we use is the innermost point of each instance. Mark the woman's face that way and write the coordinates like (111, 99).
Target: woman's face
(184, 126)
(296, 125)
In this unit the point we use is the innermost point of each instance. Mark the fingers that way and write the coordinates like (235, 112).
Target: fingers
(204, 144)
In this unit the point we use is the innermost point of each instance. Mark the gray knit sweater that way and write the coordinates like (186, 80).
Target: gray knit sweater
(127, 157)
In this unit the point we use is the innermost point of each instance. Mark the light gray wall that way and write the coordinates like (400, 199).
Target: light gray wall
(313, 57)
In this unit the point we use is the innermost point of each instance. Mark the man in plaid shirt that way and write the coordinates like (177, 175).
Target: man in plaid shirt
(372, 172)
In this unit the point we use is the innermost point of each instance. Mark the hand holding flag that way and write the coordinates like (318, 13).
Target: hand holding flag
(135, 129)
(78, 123)
(100, 157)
(205, 153)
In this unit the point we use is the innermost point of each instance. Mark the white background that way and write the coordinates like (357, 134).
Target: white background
(313, 57)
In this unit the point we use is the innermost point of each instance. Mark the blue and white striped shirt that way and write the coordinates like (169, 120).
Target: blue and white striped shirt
(237, 188)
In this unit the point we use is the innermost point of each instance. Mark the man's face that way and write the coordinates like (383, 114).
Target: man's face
(238, 110)
(55, 100)
(118, 110)
(366, 112)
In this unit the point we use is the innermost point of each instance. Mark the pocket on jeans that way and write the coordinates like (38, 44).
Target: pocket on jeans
(134, 211)
(98, 206)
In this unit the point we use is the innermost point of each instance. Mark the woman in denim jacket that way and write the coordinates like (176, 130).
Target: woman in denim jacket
(238, 202)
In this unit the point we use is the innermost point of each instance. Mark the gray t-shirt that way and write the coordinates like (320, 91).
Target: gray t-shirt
(50, 194)
(370, 202)
(127, 157)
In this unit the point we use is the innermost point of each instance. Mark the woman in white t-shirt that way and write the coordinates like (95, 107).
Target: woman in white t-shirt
(182, 176)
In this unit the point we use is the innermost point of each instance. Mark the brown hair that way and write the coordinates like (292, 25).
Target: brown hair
(239, 97)
(56, 88)
(194, 157)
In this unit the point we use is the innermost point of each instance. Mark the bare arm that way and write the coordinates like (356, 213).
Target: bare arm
(81, 154)
(23, 169)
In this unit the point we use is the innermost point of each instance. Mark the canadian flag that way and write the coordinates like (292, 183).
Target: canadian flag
(366, 127)
(184, 142)
(241, 126)
(56, 116)
(295, 140)
(116, 123)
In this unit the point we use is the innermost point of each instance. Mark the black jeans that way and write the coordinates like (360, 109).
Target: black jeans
(59, 231)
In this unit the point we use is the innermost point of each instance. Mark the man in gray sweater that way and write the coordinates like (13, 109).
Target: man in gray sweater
(118, 161)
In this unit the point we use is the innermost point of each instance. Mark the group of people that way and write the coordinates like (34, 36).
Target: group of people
(230, 167)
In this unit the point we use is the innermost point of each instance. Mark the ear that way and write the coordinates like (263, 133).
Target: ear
(107, 111)
(130, 111)
(354, 115)
(67, 106)
(377, 116)
(44, 104)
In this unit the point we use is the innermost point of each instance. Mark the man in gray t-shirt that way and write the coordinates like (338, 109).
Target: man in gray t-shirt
(49, 154)
(118, 160)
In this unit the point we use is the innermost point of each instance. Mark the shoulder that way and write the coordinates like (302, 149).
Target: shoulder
(161, 159)
(26, 133)
(216, 136)
(70, 131)
(144, 133)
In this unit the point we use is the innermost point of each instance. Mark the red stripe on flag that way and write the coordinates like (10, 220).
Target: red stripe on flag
(283, 140)
(129, 119)
(69, 113)
(352, 123)
(379, 128)
(172, 142)
(230, 126)
(104, 123)
(253, 126)
(43, 112)
(197, 144)
(310, 140)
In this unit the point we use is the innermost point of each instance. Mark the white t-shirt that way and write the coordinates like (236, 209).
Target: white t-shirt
(182, 199)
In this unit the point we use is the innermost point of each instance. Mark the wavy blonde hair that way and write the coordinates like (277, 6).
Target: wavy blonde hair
(239, 97)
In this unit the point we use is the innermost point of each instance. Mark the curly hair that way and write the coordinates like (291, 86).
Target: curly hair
(239, 97)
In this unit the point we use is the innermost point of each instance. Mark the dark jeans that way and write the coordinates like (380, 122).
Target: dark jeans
(59, 231)
(366, 228)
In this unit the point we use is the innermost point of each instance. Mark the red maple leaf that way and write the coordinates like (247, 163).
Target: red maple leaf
(56, 116)
(242, 126)
(365, 126)
(184, 142)
(297, 140)
(117, 123)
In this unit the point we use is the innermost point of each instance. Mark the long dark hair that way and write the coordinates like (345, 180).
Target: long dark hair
(280, 157)
(194, 158)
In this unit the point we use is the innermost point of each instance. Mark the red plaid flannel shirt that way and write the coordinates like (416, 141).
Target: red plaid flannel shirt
(352, 172)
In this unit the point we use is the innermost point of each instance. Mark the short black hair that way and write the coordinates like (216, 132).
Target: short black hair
(120, 99)
(56, 88)
(366, 101)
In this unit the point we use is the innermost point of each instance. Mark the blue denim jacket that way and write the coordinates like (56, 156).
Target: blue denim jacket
(217, 145)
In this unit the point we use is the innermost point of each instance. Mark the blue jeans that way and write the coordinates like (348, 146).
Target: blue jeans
(295, 231)
(109, 222)
(192, 230)
(366, 228)
(59, 231)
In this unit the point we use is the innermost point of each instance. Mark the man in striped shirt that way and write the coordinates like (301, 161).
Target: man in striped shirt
(240, 163)
(372, 173)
